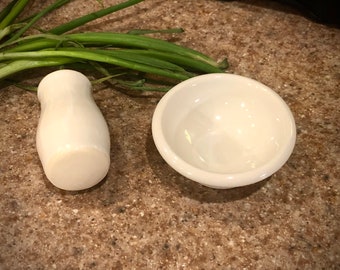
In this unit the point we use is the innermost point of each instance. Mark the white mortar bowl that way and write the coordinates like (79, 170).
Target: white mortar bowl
(223, 130)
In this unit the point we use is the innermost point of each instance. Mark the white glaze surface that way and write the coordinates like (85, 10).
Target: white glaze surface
(73, 140)
(223, 130)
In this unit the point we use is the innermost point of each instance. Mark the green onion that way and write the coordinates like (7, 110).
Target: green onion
(6, 10)
(50, 8)
(13, 12)
(92, 16)
(130, 59)
(93, 56)
(20, 65)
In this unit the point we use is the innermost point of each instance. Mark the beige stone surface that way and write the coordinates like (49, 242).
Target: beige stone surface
(146, 216)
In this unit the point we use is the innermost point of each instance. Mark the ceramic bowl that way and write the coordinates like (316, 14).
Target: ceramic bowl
(223, 130)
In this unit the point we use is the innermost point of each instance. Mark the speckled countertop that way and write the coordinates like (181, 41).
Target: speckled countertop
(146, 216)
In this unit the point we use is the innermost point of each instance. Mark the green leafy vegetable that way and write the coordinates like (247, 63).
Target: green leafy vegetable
(130, 59)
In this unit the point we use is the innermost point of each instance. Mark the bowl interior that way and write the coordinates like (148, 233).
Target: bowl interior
(226, 124)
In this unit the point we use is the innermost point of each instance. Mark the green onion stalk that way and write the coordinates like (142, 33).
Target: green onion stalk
(131, 60)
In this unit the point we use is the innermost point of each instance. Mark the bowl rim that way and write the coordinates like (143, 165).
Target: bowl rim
(215, 179)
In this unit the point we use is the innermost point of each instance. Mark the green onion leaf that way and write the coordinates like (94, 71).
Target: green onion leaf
(50, 8)
(13, 13)
(90, 17)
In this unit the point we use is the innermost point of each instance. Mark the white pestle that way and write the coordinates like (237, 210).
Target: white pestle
(73, 140)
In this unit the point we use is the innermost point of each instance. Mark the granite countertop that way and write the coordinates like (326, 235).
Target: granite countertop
(144, 215)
